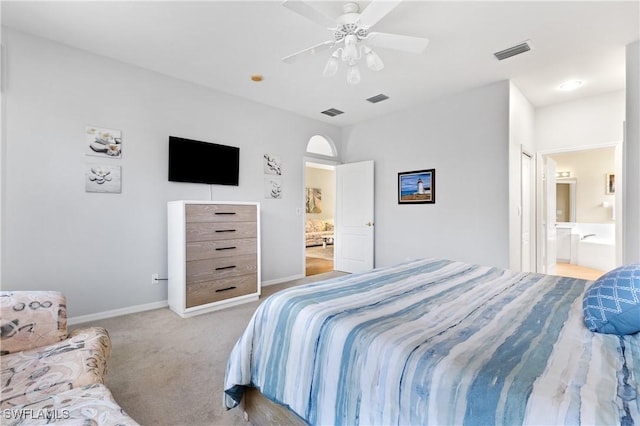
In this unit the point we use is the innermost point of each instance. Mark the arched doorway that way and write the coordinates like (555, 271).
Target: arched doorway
(319, 166)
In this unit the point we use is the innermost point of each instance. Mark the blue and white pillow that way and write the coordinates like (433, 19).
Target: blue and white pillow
(612, 304)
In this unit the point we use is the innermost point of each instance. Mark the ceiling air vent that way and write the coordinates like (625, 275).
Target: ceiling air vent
(378, 98)
(332, 112)
(513, 51)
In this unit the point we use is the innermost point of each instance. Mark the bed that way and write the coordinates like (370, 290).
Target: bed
(435, 341)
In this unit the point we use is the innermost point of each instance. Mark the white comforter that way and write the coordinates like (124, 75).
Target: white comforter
(437, 342)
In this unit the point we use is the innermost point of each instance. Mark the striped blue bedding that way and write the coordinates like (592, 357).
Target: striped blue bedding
(437, 342)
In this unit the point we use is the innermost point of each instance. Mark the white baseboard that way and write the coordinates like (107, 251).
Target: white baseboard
(155, 305)
(282, 280)
(117, 312)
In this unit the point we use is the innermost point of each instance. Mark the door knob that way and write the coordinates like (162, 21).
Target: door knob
(369, 224)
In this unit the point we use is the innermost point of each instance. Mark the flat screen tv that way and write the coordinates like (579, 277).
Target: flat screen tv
(203, 162)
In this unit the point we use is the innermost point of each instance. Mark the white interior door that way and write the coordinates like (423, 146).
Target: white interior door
(550, 216)
(354, 217)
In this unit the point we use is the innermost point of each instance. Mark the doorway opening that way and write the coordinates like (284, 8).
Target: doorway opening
(320, 191)
(346, 210)
(581, 208)
(320, 206)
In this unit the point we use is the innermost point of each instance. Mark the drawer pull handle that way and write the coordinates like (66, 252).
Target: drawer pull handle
(221, 213)
(225, 230)
(225, 267)
(225, 248)
(225, 289)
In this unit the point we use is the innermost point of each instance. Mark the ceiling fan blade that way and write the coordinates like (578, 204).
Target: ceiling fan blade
(403, 43)
(310, 51)
(377, 10)
(310, 13)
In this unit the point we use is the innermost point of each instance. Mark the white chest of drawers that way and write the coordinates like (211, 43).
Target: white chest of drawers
(213, 256)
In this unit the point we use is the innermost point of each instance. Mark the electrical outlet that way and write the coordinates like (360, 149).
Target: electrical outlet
(154, 278)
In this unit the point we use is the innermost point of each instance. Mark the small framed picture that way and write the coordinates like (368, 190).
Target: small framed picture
(417, 187)
(103, 178)
(314, 200)
(103, 142)
(272, 165)
(611, 184)
(272, 187)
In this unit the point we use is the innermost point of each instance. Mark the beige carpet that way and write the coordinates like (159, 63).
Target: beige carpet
(167, 370)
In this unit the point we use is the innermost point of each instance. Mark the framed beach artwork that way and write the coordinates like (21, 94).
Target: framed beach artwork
(103, 142)
(417, 187)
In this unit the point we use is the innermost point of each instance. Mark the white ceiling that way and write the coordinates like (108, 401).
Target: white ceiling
(220, 44)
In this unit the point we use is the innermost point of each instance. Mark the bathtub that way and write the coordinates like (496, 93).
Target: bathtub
(596, 253)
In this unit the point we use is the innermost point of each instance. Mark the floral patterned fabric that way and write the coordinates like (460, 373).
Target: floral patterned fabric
(30, 319)
(88, 405)
(32, 375)
(38, 358)
(316, 230)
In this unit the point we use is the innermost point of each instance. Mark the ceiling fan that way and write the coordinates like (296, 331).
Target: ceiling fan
(353, 38)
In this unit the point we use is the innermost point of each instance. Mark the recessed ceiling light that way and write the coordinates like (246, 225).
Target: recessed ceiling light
(570, 85)
(256, 77)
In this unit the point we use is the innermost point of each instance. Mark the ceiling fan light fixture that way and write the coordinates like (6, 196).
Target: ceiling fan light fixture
(353, 75)
(352, 31)
(373, 60)
(350, 51)
(331, 68)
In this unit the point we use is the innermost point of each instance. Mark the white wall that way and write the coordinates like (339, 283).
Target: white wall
(465, 138)
(521, 138)
(522, 116)
(101, 249)
(583, 123)
(593, 122)
(632, 156)
(3, 128)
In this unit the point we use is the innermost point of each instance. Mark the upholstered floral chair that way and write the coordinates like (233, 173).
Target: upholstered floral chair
(317, 231)
(44, 367)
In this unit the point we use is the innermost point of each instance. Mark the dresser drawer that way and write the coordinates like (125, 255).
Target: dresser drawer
(215, 269)
(221, 248)
(213, 291)
(220, 231)
(196, 213)
(213, 254)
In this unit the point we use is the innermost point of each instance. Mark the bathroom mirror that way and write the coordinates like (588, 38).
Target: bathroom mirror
(566, 200)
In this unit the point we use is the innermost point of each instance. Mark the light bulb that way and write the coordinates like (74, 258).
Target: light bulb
(350, 52)
(353, 75)
(373, 60)
(331, 68)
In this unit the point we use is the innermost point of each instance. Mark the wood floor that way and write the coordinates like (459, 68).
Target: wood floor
(319, 263)
(575, 271)
(318, 266)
